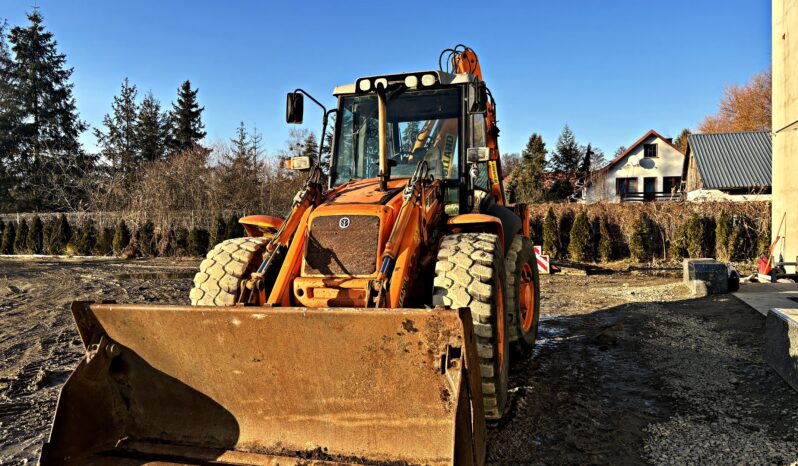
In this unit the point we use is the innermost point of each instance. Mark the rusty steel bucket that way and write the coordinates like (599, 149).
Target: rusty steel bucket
(263, 386)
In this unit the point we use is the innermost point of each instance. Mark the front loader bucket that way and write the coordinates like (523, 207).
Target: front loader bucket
(261, 385)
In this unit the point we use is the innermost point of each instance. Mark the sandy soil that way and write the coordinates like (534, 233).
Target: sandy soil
(628, 370)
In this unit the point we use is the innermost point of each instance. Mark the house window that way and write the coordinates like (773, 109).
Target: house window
(671, 184)
(650, 150)
(625, 186)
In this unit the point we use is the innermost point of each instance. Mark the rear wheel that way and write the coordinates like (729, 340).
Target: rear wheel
(523, 290)
(470, 273)
(219, 279)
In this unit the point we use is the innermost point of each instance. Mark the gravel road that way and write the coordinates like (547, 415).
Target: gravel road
(628, 369)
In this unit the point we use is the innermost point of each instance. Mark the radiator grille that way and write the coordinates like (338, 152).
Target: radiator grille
(336, 251)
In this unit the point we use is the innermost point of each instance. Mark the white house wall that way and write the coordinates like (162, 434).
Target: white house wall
(668, 162)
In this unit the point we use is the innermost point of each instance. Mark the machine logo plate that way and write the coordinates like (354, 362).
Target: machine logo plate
(343, 222)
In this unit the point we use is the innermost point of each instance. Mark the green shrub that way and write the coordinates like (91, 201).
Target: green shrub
(217, 233)
(580, 248)
(7, 241)
(678, 244)
(2, 227)
(723, 229)
(146, 239)
(105, 242)
(198, 241)
(85, 238)
(181, 242)
(20, 237)
(551, 235)
(606, 247)
(639, 242)
(234, 229)
(566, 221)
(34, 241)
(60, 236)
(47, 233)
(121, 238)
(700, 237)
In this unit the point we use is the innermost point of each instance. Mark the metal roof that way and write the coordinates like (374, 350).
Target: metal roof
(732, 160)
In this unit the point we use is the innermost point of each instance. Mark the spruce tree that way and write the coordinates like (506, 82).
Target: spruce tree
(34, 240)
(580, 246)
(86, 238)
(9, 122)
(586, 164)
(21, 235)
(186, 119)
(121, 238)
(118, 143)
(152, 130)
(7, 241)
(566, 155)
(47, 154)
(551, 235)
(528, 178)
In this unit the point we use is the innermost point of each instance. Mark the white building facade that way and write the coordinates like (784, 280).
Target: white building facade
(649, 170)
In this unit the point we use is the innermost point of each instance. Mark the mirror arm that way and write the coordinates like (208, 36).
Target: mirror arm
(324, 120)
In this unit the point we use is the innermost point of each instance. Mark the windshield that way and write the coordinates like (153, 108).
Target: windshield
(422, 125)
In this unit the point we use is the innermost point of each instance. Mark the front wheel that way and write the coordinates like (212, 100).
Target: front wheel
(218, 282)
(523, 289)
(470, 273)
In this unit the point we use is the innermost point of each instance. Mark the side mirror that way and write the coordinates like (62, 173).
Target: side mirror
(477, 154)
(294, 108)
(301, 162)
(478, 98)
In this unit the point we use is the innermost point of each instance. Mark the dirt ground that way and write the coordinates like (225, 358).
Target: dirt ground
(629, 369)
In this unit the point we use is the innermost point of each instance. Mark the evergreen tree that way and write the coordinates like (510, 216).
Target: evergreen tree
(566, 155)
(34, 240)
(186, 119)
(217, 233)
(681, 140)
(7, 241)
(60, 236)
(551, 235)
(2, 226)
(47, 234)
(639, 241)
(606, 249)
(233, 229)
(49, 162)
(723, 229)
(85, 238)
(118, 144)
(586, 165)
(146, 239)
(121, 238)
(528, 178)
(152, 130)
(105, 241)
(9, 121)
(181, 242)
(20, 237)
(197, 242)
(580, 247)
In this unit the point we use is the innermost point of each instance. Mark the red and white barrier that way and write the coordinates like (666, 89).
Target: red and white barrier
(544, 266)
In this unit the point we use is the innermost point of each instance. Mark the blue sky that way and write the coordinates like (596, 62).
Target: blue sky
(611, 70)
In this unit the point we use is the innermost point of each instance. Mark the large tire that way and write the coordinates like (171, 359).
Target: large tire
(523, 294)
(470, 273)
(220, 275)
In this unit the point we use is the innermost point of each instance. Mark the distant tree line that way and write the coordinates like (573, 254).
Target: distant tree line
(149, 159)
(538, 174)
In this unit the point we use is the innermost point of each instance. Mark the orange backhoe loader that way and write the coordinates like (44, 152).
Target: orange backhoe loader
(372, 325)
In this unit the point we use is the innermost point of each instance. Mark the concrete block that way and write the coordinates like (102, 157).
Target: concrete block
(686, 267)
(781, 343)
(715, 274)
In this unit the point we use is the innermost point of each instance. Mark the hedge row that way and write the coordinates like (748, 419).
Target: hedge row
(57, 236)
(645, 232)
